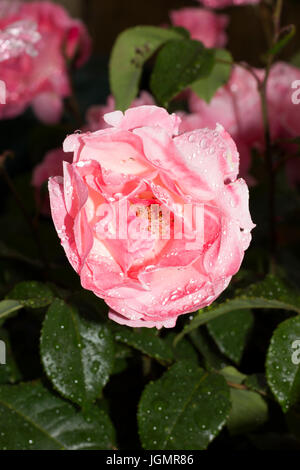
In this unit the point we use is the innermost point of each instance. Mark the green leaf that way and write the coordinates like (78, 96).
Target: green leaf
(249, 411)
(178, 65)
(230, 333)
(146, 341)
(270, 293)
(9, 372)
(257, 383)
(131, 50)
(206, 87)
(32, 294)
(180, 29)
(232, 375)
(185, 409)
(283, 363)
(36, 419)
(289, 34)
(122, 353)
(183, 351)
(77, 353)
(212, 358)
(8, 308)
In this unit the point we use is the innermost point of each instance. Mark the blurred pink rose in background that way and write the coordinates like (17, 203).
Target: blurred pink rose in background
(42, 81)
(19, 38)
(203, 25)
(284, 111)
(227, 3)
(237, 106)
(138, 162)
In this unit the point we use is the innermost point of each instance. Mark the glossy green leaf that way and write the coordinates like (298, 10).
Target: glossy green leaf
(35, 419)
(230, 332)
(32, 294)
(206, 87)
(211, 357)
(257, 383)
(268, 294)
(183, 351)
(232, 375)
(8, 308)
(283, 363)
(122, 353)
(131, 50)
(178, 65)
(77, 353)
(248, 409)
(146, 341)
(185, 409)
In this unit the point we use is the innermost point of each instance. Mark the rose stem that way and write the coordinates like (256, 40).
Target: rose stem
(268, 141)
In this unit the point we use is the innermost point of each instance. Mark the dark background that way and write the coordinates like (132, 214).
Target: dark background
(107, 18)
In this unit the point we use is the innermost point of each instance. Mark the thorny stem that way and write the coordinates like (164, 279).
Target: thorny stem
(263, 13)
(244, 387)
(22, 207)
(269, 165)
(277, 18)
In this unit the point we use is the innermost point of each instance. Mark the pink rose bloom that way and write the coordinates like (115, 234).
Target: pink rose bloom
(95, 114)
(52, 165)
(17, 39)
(42, 81)
(203, 25)
(284, 111)
(227, 3)
(131, 255)
(283, 99)
(192, 121)
(237, 106)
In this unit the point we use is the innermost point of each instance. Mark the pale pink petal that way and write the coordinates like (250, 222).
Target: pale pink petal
(64, 224)
(144, 116)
